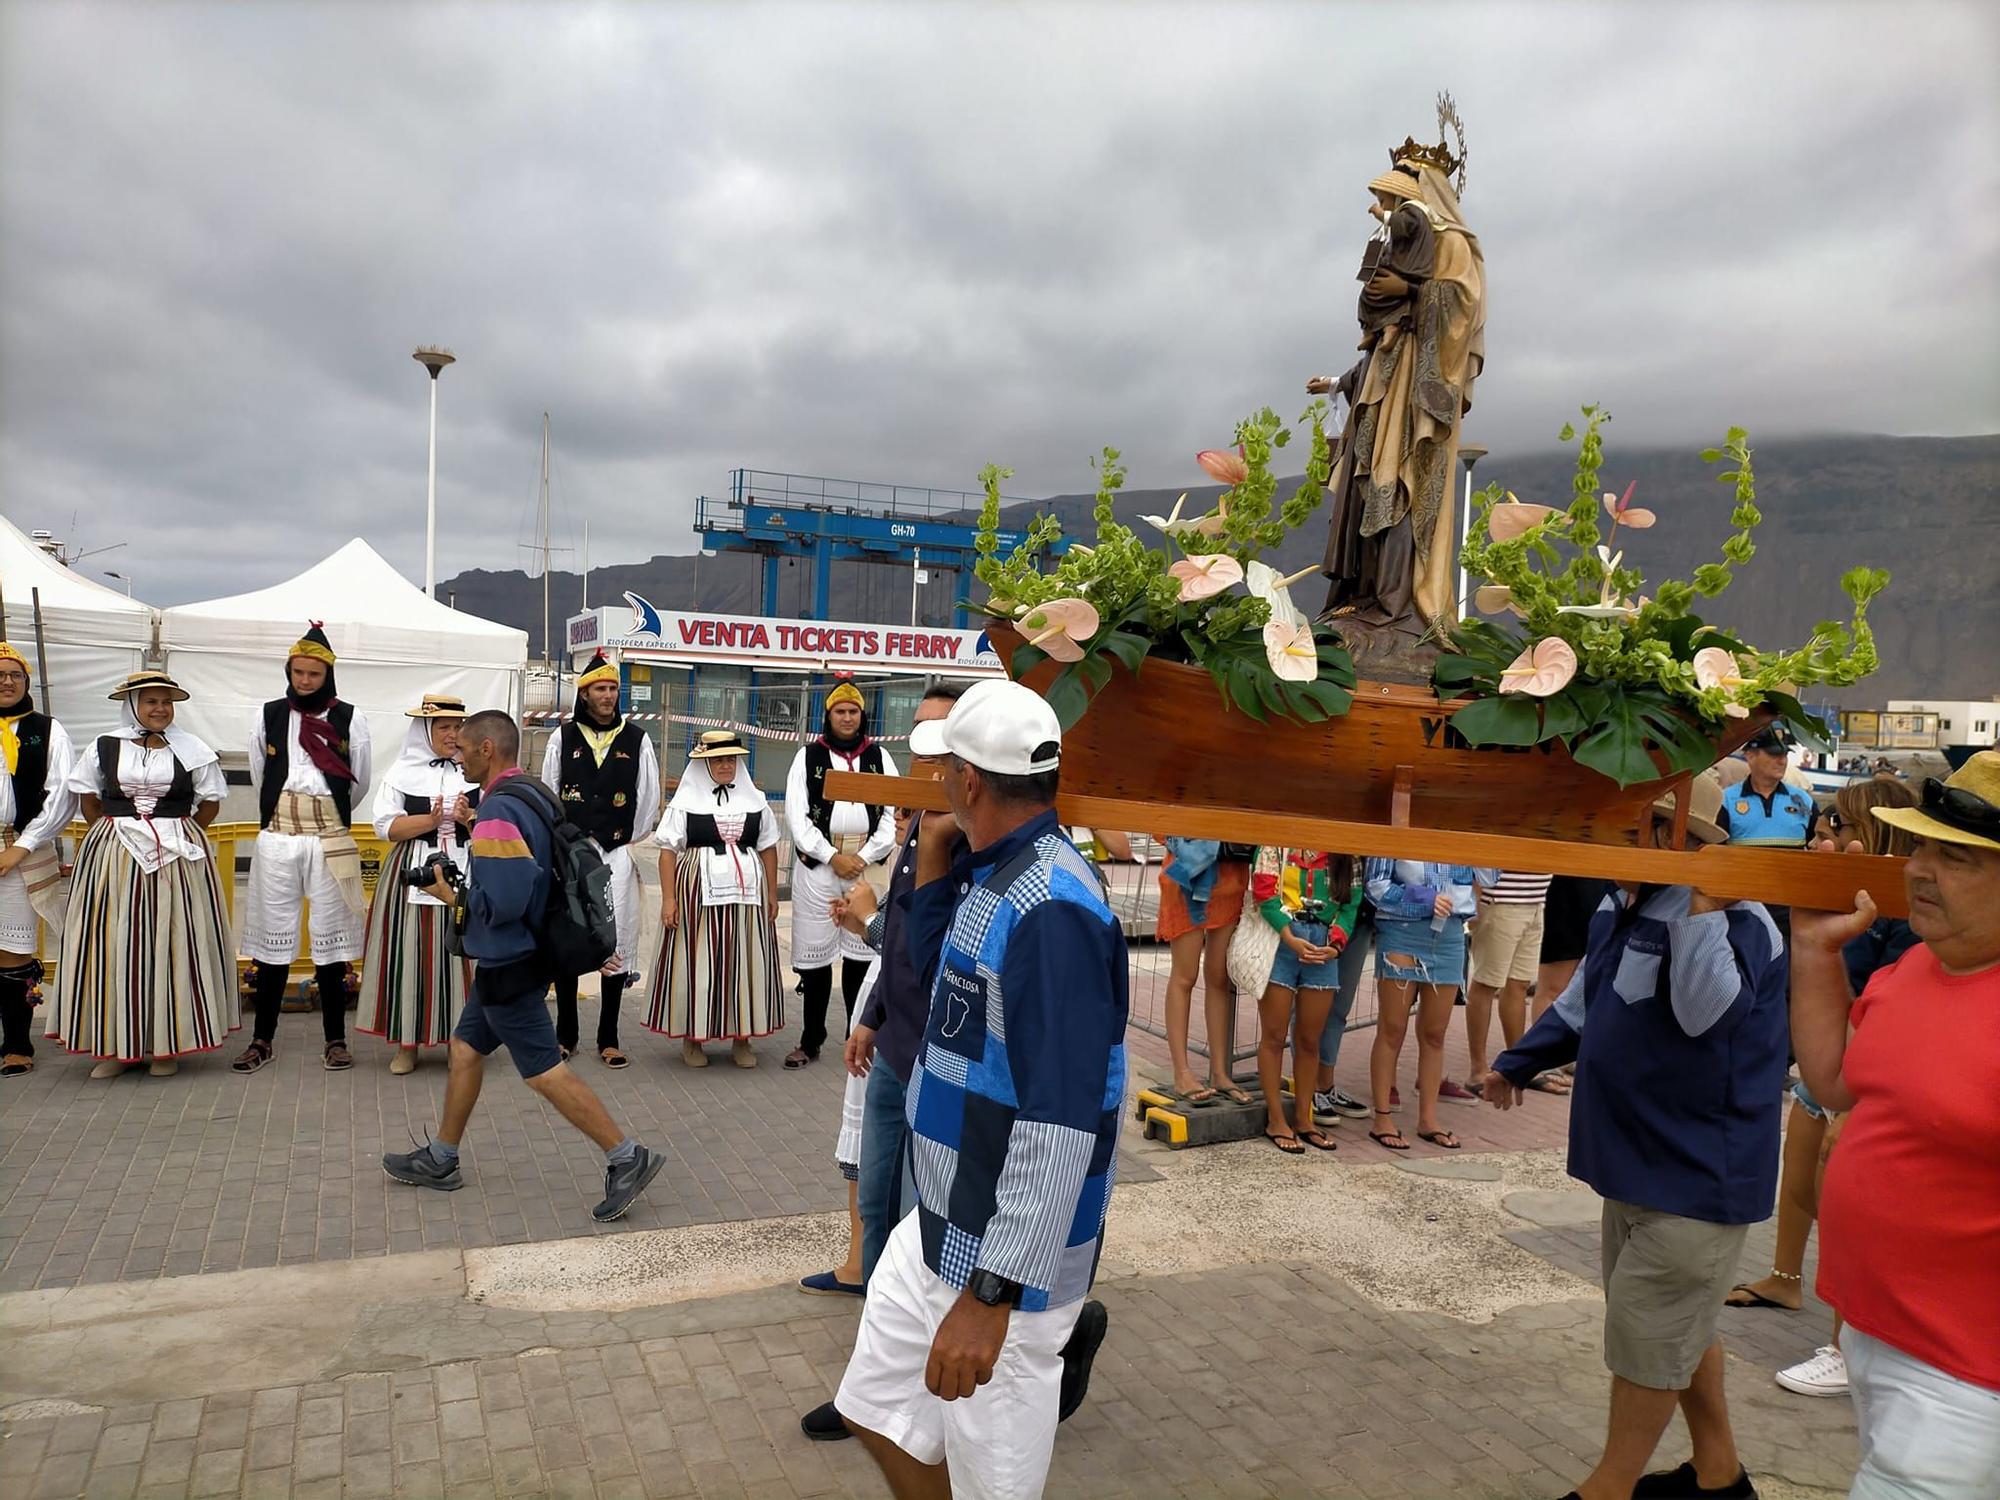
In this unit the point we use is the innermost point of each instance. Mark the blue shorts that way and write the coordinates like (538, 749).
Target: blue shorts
(1809, 1104)
(1433, 957)
(492, 1016)
(1289, 971)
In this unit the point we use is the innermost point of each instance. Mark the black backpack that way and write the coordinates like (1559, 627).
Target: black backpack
(579, 931)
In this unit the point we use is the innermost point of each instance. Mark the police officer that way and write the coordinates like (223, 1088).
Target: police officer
(1766, 810)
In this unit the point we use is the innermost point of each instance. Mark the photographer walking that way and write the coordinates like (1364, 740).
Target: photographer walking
(499, 910)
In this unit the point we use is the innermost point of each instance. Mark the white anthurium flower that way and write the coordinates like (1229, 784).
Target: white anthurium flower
(1544, 668)
(1291, 650)
(1608, 606)
(1716, 668)
(1264, 582)
(1491, 598)
(1205, 576)
(1168, 523)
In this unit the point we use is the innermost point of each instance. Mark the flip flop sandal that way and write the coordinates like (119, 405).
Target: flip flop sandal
(1289, 1144)
(567, 1052)
(337, 1058)
(1441, 1138)
(254, 1057)
(1389, 1140)
(1233, 1094)
(1318, 1140)
(1550, 1083)
(611, 1057)
(1757, 1299)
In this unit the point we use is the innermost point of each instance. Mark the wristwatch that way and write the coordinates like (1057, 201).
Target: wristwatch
(993, 1289)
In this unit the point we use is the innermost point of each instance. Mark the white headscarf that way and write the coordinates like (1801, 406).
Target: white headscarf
(417, 772)
(698, 792)
(191, 751)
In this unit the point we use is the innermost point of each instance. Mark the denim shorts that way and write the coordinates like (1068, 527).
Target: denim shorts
(1809, 1104)
(1293, 973)
(1434, 957)
(492, 1016)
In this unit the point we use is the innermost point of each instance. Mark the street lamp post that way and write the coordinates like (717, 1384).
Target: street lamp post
(434, 360)
(124, 578)
(1468, 455)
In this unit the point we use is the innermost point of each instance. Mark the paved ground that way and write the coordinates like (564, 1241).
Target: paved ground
(207, 1288)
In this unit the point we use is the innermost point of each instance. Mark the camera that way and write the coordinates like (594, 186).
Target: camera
(426, 874)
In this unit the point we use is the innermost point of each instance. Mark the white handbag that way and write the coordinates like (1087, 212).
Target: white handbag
(1253, 949)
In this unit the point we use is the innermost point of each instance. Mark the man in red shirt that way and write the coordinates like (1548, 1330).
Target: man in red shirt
(1910, 1212)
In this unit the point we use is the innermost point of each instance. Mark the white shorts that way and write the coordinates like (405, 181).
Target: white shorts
(997, 1442)
(1925, 1435)
(287, 871)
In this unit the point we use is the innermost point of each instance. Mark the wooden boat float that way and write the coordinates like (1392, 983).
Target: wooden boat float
(1161, 752)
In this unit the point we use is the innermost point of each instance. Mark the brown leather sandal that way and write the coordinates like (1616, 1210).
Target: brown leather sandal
(14, 1065)
(611, 1057)
(338, 1058)
(254, 1057)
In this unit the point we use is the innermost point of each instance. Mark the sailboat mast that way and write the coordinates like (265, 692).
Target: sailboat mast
(546, 658)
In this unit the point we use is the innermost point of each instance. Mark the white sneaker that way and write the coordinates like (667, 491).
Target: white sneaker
(1825, 1374)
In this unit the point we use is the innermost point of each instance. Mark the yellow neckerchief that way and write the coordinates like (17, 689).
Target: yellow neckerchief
(10, 735)
(599, 740)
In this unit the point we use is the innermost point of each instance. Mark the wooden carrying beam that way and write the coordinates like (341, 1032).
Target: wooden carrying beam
(1782, 877)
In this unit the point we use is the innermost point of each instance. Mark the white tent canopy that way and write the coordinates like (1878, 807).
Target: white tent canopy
(394, 643)
(94, 636)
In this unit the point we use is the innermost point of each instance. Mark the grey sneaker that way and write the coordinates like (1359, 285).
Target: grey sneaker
(1331, 1106)
(626, 1181)
(421, 1169)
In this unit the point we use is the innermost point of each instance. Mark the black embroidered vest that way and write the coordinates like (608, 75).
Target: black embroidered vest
(703, 834)
(278, 757)
(601, 800)
(819, 811)
(31, 769)
(178, 801)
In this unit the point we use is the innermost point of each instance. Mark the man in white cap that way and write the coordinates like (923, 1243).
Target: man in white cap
(957, 1376)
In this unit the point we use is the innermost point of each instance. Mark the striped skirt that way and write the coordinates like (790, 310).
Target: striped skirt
(717, 976)
(146, 969)
(411, 988)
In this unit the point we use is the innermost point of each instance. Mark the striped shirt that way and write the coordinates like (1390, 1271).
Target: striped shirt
(1014, 1103)
(512, 854)
(1517, 888)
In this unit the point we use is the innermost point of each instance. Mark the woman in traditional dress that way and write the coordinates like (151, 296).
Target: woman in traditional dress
(146, 973)
(717, 975)
(411, 985)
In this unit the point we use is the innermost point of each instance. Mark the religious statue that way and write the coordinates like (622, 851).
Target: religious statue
(1423, 342)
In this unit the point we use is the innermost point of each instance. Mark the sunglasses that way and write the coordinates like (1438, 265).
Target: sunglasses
(1966, 811)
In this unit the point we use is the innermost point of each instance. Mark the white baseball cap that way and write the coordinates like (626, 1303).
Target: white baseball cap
(997, 726)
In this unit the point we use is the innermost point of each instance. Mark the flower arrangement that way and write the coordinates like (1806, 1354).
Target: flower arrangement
(1119, 601)
(1617, 677)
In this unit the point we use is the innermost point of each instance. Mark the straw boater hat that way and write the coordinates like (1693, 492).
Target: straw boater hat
(1704, 804)
(716, 744)
(139, 681)
(1962, 809)
(439, 706)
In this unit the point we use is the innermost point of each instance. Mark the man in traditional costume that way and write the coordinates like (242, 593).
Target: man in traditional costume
(35, 806)
(310, 761)
(412, 983)
(145, 973)
(1423, 319)
(833, 844)
(717, 977)
(602, 769)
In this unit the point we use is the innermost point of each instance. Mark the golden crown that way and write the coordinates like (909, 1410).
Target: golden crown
(1449, 163)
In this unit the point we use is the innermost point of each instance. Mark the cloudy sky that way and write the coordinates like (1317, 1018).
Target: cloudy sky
(895, 242)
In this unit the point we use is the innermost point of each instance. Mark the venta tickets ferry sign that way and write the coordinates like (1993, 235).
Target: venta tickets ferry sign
(700, 635)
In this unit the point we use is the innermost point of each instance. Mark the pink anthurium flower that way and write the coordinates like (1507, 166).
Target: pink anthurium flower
(1223, 466)
(1060, 627)
(1624, 512)
(1207, 575)
(1491, 598)
(1291, 651)
(1544, 668)
(1505, 522)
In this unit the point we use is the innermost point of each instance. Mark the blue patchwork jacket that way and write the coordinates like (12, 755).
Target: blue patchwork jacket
(1014, 1103)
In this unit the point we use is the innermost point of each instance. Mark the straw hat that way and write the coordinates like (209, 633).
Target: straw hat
(1704, 803)
(139, 681)
(1962, 809)
(438, 706)
(718, 744)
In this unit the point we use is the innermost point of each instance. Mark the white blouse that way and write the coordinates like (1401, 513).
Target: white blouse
(146, 776)
(730, 875)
